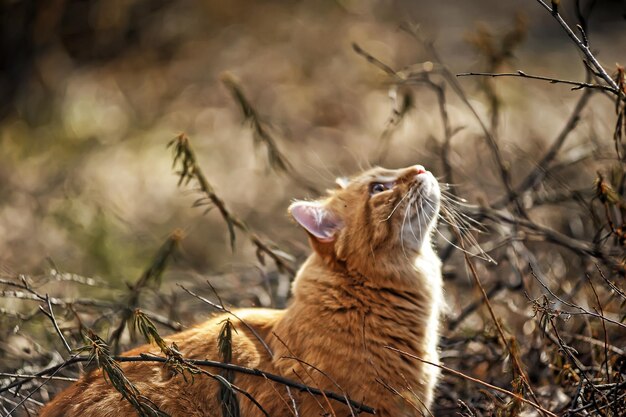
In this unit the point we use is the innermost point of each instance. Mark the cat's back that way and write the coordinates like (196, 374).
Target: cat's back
(175, 394)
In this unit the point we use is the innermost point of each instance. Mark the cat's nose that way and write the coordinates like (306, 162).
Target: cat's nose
(419, 169)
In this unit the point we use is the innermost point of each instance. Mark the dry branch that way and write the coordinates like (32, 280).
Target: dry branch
(185, 159)
(357, 406)
(583, 46)
(577, 85)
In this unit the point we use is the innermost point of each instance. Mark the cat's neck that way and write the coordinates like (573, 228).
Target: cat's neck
(419, 273)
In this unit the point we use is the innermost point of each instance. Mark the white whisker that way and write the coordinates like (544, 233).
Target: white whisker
(463, 224)
(411, 223)
(396, 207)
(421, 199)
(402, 230)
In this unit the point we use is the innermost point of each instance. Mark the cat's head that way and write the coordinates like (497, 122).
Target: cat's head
(378, 215)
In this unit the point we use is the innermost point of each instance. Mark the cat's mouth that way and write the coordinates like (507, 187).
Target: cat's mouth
(421, 209)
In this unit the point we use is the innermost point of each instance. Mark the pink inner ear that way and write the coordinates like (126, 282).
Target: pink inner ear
(316, 219)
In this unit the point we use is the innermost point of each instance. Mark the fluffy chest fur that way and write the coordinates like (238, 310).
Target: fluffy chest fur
(341, 324)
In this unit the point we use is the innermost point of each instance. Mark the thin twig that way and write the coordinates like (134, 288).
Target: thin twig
(50, 314)
(521, 74)
(584, 48)
(476, 380)
(222, 308)
(491, 140)
(504, 340)
(358, 406)
(539, 172)
(576, 306)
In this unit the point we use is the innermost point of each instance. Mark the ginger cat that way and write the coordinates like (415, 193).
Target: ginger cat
(372, 281)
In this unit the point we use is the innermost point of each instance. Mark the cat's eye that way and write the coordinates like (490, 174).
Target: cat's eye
(378, 187)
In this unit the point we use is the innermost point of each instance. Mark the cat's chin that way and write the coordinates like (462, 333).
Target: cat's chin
(415, 238)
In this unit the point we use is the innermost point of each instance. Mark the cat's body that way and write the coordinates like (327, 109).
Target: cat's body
(373, 281)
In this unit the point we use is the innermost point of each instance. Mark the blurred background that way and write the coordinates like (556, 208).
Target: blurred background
(93, 91)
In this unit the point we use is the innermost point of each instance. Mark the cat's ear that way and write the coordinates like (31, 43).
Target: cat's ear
(316, 218)
(342, 182)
